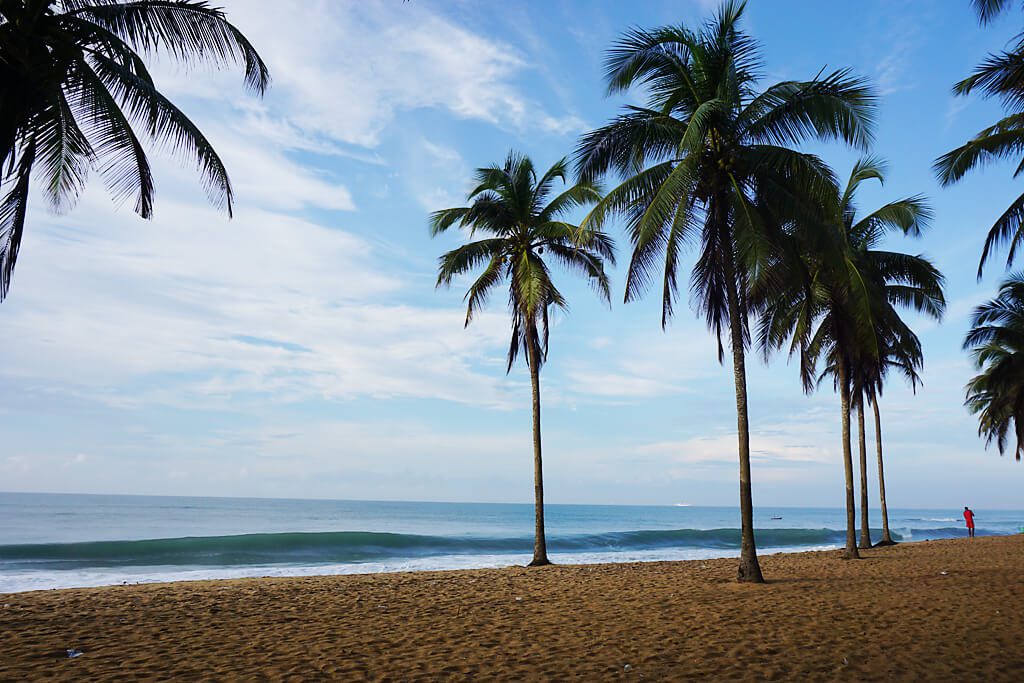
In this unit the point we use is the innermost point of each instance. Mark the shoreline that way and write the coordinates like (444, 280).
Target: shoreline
(944, 609)
(408, 566)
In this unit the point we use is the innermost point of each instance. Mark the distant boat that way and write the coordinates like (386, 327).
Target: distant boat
(776, 517)
(681, 505)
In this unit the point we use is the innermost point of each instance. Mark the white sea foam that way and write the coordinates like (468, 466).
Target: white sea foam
(17, 582)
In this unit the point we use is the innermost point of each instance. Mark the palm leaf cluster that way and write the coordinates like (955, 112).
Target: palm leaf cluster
(76, 97)
(996, 342)
(515, 210)
(1000, 75)
(843, 309)
(706, 147)
(994, 395)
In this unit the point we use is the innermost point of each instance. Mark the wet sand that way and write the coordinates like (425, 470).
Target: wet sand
(928, 611)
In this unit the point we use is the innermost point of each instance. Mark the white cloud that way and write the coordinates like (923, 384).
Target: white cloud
(194, 309)
(435, 173)
(953, 109)
(267, 177)
(563, 125)
(345, 70)
(795, 441)
(645, 365)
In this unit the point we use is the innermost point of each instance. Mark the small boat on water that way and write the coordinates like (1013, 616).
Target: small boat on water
(776, 517)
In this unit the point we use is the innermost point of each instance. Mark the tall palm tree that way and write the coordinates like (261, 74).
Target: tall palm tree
(898, 349)
(838, 302)
(701, 162)
(904, 355)
(996, 342)
(514, 208)
(1000, 76)
(858, 398)
(75, 97)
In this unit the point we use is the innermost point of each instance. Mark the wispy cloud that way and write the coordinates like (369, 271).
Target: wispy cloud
(128, 311)
(635, 367)
(351, 68)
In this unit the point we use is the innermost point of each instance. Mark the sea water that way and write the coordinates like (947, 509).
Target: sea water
(66, 540)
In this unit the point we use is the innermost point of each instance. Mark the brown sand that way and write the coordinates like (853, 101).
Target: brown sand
(930, 611)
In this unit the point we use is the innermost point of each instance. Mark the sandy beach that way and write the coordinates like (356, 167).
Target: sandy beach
(927, 611)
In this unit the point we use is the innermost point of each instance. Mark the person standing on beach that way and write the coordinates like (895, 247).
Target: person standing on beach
(969, 518)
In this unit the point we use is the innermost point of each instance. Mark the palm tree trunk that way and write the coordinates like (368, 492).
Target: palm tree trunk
(865, 528)
(851, 506)
(886, 538)
(540, 548)
(749, 569)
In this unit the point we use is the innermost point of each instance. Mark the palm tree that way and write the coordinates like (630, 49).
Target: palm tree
(996, 342)
(511, 205)
(75, 97)
(898, 349)
(838, 302)
(857, 399)
(1001, 76)
(903, 354)
(701, 162)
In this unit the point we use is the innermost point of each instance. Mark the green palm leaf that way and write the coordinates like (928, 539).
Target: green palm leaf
(80, 99)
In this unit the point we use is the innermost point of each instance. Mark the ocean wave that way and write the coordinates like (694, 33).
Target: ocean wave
(364, 546)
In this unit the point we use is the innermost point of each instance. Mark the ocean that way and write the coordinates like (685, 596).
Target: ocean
(69, 540)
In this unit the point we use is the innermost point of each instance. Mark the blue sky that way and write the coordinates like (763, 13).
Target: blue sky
(301, 350)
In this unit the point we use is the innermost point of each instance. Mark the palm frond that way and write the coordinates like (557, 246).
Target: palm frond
(64, 153)
(185, 29)
(467, 257)
(909, 216)
(1008, 229)
(836, 107)
(12, 216)
(165, 124)
(866, 168)
(1003, 140)
(989, 9)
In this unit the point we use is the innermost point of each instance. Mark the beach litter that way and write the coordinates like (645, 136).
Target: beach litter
(72, 653)
(627, 668)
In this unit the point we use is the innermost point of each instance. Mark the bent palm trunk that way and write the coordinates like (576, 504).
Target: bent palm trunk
(540, 548)
(865, 528)
(851, 506)
(886, 538)
(749, 569)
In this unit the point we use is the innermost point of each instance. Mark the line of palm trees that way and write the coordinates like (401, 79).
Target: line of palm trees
(784, 258)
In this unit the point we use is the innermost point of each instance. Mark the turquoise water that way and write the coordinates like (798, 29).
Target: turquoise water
(55, 540)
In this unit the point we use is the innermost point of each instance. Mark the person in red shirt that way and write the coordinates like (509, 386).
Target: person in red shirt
(969, 518)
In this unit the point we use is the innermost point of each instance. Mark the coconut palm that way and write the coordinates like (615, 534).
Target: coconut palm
(899, 349)
(857, 398)
(903, 354)
(996, 342)
(514, 208)
(75, 97)
(701, 162)
(1000, 76)
(838, 302)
